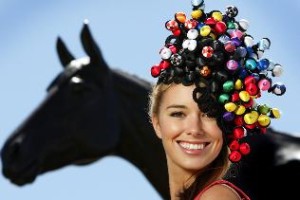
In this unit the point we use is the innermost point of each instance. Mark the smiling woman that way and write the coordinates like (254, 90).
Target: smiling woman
(191, 139)
(203, 105)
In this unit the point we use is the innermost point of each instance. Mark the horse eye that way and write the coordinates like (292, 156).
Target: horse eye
(76, 83)
(76, 79)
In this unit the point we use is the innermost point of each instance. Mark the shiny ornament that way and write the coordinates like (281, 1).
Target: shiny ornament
(230, 106)
(176, 60)
(248, 41)
(171, 25)
(234, 145)
(164, 64)
(207, 51)
(251, 118)
(229, 46)
(238, 85)
(180, 17)
(191, 45)
(173, 49)
(263, 109)
(277, 70)
(205, 30)
(223, 98)
(205, 71)
(238, 120)
(244, 96)
(251, 64)
(217, 15)
(224, 39)
(235, 156)
(190, 24)
(236, 34)
(244, 148)
(228, 116)
(263, 64)
(176, 32)
(231, 25)
(228, 86)
(243, 24)
(241, 52)
(240, 110)
(220, 28)
(155, 71)
(231, 11)
(278, 89)
(239, 132)
(232, 65)
(192, 34)
(235, 97)
(264, 84)
(210, 21)
(197, 3)
(196, 14)
(264, 120)
(264, 44)
(236, 42)
(275, 113)
(252, 89)
(165, 53)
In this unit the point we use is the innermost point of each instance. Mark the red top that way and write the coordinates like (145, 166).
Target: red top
(242, 195)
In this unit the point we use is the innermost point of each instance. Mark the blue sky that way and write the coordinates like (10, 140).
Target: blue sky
(130, 34)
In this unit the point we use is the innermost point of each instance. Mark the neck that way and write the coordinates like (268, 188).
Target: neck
(139, 143)
(179, 179)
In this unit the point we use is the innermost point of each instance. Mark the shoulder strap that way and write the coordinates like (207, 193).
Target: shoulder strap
(242, 195)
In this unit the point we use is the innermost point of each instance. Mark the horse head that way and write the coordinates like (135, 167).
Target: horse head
(79, 100)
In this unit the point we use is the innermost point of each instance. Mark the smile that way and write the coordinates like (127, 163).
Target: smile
(192, 146)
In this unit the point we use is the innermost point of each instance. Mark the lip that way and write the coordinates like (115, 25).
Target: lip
(196, 149)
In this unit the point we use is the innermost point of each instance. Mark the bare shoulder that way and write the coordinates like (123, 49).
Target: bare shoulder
(220, 190)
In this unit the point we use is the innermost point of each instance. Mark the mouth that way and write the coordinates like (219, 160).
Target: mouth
(22, 176)
(193, 147)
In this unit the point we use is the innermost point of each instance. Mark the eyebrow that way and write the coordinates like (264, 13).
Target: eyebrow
(176, 106)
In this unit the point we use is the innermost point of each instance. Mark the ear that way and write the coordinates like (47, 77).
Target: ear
(156, 125)
(64, 54)
(91, 48)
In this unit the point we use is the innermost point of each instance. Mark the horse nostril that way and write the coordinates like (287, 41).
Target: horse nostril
(14, 148)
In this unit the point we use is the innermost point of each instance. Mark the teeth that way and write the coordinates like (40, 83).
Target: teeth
(191, 146)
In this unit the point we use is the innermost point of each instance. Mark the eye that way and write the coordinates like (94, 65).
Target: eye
(177, 114)
(206, 116)
(77, 83)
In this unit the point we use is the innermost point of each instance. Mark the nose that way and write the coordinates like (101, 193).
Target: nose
(195, 126)
(11, 149)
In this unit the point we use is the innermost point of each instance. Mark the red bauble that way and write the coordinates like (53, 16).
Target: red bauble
(235, 156)
(234, 145)
(238, 120)
(155, 71)
(245, 148)
(220, 27)
(239, 132)
(164, 64)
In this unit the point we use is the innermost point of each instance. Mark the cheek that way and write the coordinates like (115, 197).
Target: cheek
(213, 129)
(170, 129)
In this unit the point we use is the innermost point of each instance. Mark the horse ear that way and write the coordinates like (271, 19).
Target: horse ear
(90, 47)
(64, 55)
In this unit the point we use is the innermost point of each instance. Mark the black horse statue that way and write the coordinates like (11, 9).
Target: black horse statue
(91, 111)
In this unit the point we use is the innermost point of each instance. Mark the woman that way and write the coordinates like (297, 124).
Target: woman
(202, 106)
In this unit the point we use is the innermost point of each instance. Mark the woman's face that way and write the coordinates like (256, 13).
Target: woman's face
(191, 139)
